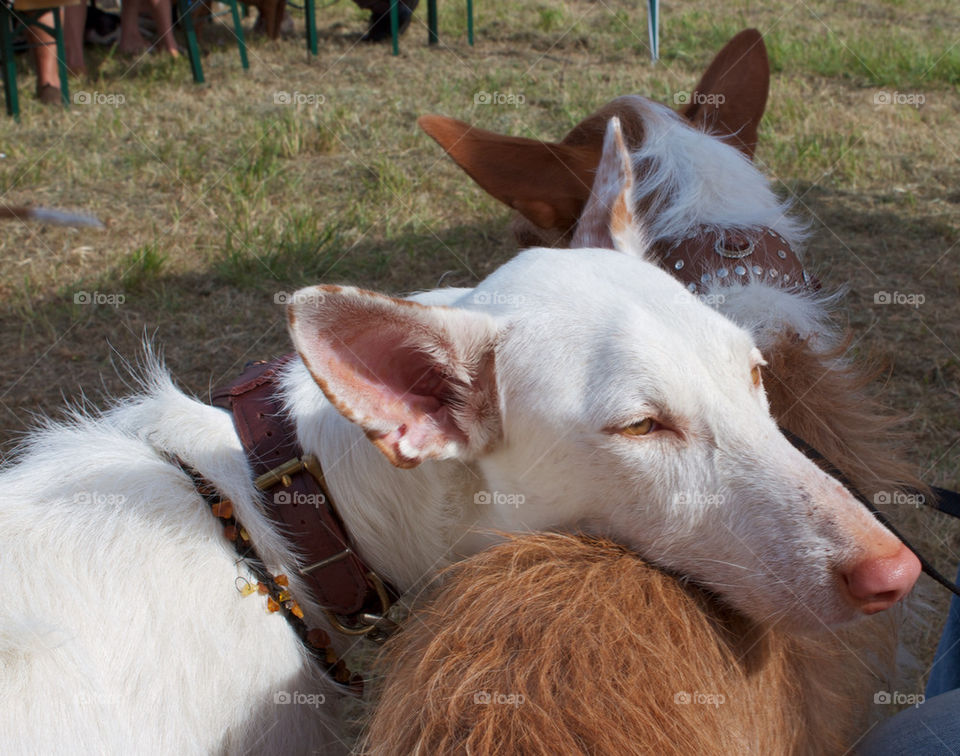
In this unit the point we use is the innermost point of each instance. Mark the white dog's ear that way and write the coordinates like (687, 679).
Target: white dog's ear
(419, 380)
(608, 220)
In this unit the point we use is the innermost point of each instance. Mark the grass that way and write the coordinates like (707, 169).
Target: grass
(217, 198)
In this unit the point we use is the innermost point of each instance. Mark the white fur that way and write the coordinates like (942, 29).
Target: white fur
(122, 630)
(600, 341)
(689, 180)
(701, 180)
(768, 312)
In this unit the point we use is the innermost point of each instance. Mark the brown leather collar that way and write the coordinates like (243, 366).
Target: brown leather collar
(298, 501)
(710, 257)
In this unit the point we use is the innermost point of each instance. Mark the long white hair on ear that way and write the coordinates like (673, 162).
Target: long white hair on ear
(608, 219)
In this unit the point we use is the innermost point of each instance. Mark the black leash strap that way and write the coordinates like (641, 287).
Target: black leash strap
(946, 501)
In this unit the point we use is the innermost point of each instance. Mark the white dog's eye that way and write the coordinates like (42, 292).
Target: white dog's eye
(755, 375)
(641, 427)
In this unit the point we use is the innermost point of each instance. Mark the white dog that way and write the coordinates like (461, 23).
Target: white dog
(571, 390)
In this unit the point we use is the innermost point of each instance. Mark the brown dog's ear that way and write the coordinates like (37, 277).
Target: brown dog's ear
(547, 182)
(731, 96)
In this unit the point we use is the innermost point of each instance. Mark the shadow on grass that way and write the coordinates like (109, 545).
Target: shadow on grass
(66, 344)
(229, 310)
(840, 218)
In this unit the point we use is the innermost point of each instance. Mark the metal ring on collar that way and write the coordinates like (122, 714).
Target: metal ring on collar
(732, 254)
(368, 622)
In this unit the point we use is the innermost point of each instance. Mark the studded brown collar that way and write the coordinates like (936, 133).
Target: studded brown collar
(355, 600)
(710, 257)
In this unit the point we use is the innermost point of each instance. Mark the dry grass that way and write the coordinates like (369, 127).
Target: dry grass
(218, 197)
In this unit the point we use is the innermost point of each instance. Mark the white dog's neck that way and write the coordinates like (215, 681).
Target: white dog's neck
(406, 524)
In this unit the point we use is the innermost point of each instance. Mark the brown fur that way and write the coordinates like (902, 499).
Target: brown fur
(601, 647)
(823, 398)
(741, 66)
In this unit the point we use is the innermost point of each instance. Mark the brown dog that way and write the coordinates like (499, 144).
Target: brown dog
(553, 644)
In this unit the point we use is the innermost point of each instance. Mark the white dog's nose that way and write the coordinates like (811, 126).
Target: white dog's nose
(877, 583)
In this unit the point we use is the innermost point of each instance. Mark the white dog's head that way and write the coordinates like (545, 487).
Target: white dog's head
(606, 397)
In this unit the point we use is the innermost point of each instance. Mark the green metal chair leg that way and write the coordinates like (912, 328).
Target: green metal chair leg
(190, 32)
(238, 30)
(61, 58)
(311, 19)
(395, 25)
(432, 36)
(9, 64)
(470, 21)
(653, 29)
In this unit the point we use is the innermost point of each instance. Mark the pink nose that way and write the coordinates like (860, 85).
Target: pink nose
(878, 583)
